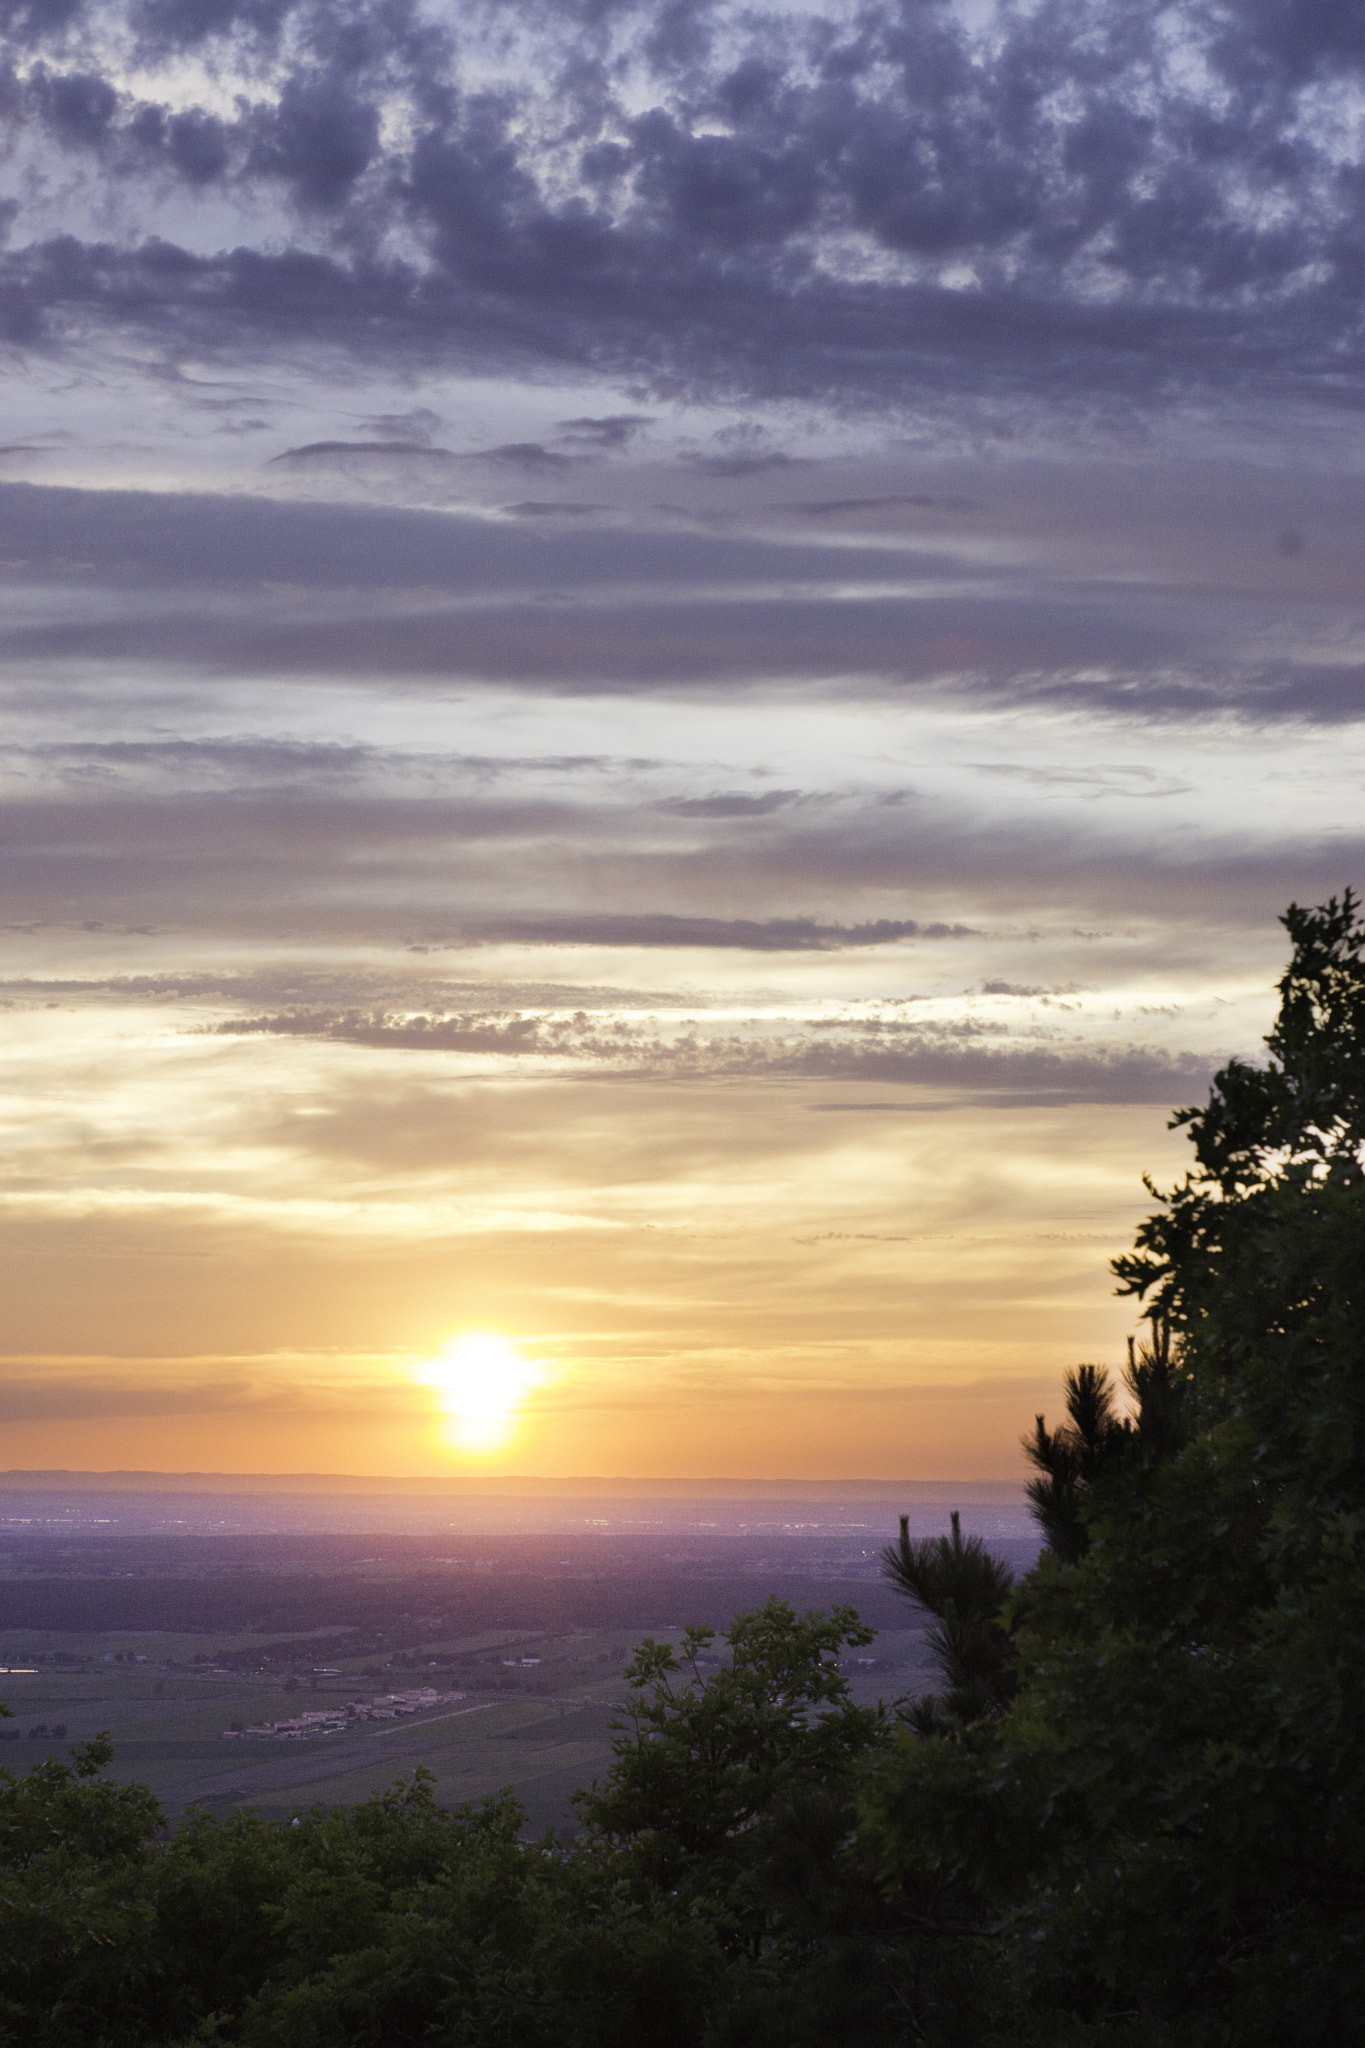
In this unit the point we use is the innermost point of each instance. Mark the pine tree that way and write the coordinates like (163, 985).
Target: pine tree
(959, 1582)
(1097, 1440)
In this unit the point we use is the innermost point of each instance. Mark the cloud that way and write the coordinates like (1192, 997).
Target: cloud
(555, 599)
(1038, 649)
(147, 539)
(120, 1389)
(916, 500)
(749, 935)
(733, 803)
(747, 463)
(418, 425)
(59, 1397)
(903, 1056)
(523, 454)
(850, 208)
(268, 837)
(532, 508)
(514, 454)
(327, 990)
(615, 430)
(331, 451)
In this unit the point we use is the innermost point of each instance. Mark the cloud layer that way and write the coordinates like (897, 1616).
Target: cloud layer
(880, 202)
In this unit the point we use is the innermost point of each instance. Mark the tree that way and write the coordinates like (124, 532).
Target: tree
(700, 1760)
(964, 1587)
(707, 1899)
(1097, 1440)
(73, 1849)
(1163, 1840)
(731, 1806)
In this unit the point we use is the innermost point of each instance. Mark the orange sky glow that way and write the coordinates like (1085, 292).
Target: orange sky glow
(849, 1296)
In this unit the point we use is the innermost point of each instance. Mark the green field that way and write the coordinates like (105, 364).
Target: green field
(543, 1731)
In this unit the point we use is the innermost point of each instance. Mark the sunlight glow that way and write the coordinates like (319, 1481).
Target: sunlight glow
(481, 1380)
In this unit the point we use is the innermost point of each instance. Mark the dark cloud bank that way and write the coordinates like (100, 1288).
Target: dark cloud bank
(1080, 198)
(422, 596)
(876, 1054)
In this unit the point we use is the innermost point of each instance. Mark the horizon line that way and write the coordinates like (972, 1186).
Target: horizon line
(20, 1478)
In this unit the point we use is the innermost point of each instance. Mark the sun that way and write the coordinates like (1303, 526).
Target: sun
(481, 1380)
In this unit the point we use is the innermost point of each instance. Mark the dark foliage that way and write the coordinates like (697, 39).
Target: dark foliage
(709, 1898)
(1165, 1836)
(1097, 1440)
(956, 1579)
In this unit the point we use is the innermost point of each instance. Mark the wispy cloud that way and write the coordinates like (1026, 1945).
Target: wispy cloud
(878, 1054)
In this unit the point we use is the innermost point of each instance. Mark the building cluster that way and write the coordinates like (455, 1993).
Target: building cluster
(387, 1706)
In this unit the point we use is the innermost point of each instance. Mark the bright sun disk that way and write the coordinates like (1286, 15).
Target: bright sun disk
(481, 1380)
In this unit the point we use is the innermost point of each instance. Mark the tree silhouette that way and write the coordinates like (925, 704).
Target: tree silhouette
(1164, 1837)
(1096, 1441)
(959, 1582)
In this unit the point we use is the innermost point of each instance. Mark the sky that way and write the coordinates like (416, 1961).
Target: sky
(664, 668)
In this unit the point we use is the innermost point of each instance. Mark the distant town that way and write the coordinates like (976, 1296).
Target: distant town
(387, 1706)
